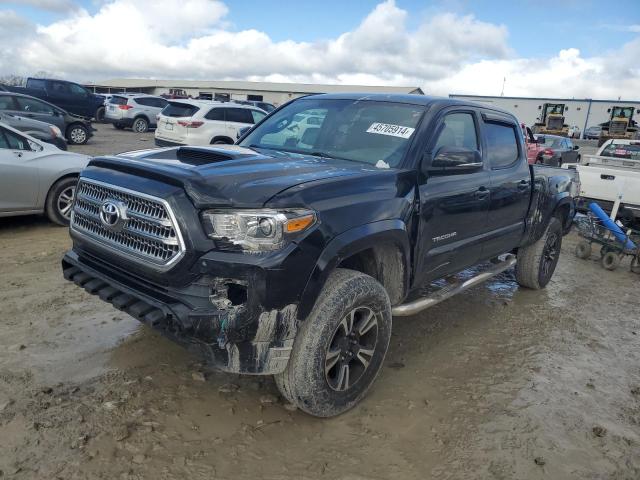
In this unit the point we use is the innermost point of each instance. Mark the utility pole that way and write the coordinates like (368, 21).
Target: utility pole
(504, 80)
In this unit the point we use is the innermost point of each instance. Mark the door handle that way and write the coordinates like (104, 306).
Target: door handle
(481, 193)
(523, 185)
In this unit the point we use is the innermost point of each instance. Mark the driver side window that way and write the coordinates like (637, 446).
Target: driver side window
(459, 131)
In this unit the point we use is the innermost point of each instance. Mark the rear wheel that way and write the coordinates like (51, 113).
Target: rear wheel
(340, 347)
(100, 115)
(60, 200)
(583, 250)
(610, 261)
(537, 262)
(140, 125)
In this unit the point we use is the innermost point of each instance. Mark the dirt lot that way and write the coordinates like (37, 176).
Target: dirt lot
(499, 383)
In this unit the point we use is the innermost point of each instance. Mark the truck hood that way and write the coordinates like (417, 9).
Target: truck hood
(231, 175)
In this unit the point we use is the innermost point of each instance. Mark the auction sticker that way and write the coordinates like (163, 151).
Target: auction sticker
(393, 130)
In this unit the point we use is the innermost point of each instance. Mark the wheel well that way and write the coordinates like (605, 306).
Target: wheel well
(562, 213)
(70, 126)
(221, 138)
(385, 263)
(141, 115)
(68, 175)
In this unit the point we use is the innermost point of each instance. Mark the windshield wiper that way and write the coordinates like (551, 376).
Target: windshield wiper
(323, 154)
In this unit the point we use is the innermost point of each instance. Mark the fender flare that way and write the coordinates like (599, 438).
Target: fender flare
(349, 243)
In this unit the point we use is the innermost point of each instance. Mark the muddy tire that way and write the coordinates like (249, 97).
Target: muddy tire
(583, 250)
(610, 261)
(537, 262)
(60, 200)
(340, 347)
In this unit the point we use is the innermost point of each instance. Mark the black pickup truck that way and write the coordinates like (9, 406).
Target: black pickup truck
(288, 253)
(69, 96)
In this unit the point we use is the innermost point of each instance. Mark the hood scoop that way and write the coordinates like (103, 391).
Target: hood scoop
(203, 156)
(207, 155)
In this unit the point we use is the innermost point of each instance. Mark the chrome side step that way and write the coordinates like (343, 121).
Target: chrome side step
(411, 308)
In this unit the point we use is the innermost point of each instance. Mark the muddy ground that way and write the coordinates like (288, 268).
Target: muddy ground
(498, 383)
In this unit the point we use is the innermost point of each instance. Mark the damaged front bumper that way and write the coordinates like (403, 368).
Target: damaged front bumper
(210, 316)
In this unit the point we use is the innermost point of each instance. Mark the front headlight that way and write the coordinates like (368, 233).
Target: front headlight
(55, 131)
(256, 230)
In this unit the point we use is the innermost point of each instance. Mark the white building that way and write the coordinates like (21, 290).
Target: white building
(581, 112)
(275, 93)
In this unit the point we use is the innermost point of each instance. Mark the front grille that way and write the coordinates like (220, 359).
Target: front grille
(555, 123)
(618, 128)
(148, 234)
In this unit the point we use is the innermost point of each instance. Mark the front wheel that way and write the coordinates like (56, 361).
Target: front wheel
(78, 134)
(537, 262)
(60, 200)
(340, 347)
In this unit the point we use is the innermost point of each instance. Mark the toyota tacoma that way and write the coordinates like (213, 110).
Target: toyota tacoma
(289, 253)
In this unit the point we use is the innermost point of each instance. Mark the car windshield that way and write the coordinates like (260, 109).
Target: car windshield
(364, 131)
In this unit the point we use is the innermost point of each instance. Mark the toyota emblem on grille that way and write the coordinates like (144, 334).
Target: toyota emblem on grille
(113, 215)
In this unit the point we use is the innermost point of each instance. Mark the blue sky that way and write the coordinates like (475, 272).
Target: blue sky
(536, 27)
(561, 48)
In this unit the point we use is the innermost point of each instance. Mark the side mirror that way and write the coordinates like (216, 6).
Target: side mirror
(242, 131)
(451, 160)
(576, 147)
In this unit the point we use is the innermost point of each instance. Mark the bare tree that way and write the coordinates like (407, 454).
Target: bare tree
(12, 80)
(43, 74)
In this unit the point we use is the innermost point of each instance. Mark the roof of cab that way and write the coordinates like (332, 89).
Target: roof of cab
(413, 99)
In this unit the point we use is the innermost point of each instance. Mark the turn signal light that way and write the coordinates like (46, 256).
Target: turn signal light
(298, 224)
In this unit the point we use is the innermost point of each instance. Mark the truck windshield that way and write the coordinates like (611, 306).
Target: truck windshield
(373, 132)
(622, 112)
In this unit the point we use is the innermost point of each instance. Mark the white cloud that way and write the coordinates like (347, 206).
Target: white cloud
(445, 53)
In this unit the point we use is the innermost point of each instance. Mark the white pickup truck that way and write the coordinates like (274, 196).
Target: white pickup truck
(614, 171)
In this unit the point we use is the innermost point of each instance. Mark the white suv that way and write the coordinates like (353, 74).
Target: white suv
(203, 122)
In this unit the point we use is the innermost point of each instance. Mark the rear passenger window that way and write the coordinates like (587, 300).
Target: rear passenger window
(239, 115)
(179, 109)
(502, 145)
(459, 131)
(143, 101)
(215, 114)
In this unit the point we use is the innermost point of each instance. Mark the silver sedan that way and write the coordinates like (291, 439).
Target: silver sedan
(36, 177)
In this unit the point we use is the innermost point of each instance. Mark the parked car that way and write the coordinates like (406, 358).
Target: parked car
(35, 128)
(557, 151)
(574, 131)
(266, 106)
(71, 97)
(612, 172)
(534, 149)
(36, 177)
(77, 130)
(107, 97)
(137, 111)
(593, 132)
(291, 259)
(203, 122)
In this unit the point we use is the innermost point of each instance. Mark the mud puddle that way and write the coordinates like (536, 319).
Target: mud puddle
(498, 382)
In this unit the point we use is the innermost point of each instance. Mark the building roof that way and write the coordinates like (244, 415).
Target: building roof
(459, 95)
(250, 86)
